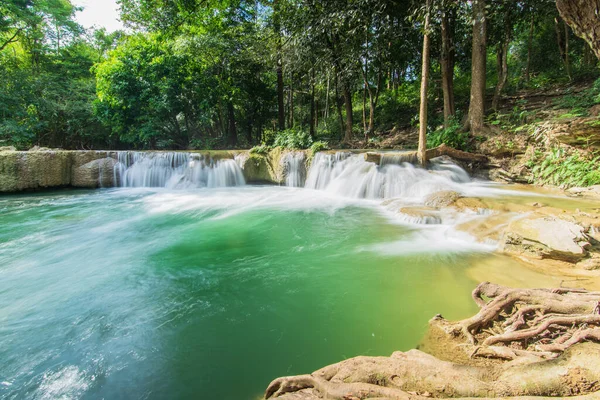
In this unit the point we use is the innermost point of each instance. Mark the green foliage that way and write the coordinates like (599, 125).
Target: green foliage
(396, 108)
(293, 139)
(207, 143)
(263, 149)
(578, 103)
(319, 146)
(565, 170)
(452, 136)
(204, 74)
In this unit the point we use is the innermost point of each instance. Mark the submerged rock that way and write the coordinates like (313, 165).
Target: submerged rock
(420, 215)
(472, 204)
(590, 264)
(591, 191)
(546, 238)
(443, 198)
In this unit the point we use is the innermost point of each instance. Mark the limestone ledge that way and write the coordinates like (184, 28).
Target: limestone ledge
(47, 169)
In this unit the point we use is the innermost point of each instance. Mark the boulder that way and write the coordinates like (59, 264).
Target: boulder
(263, 168)
(546, 238)
(96, 173)
(8, 148)
(21, 170)
(443, 198)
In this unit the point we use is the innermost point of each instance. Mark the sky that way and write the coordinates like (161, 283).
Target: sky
(99, 13)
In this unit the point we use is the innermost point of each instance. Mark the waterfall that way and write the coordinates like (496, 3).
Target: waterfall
(294, 167)
(350, 175)
(175, 170)
(399, 158)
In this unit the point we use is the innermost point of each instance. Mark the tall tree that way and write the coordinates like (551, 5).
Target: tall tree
(475, 120)
(278, 55)
(422, 151)
(504, 33)
(447, 60)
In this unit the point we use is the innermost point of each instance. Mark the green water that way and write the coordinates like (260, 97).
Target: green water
(152, 294)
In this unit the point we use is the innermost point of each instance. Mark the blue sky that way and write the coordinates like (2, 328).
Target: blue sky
(99, 13)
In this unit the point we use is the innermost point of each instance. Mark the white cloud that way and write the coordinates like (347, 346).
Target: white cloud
(99, 13)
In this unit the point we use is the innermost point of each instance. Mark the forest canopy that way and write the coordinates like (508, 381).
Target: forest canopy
(191, 74)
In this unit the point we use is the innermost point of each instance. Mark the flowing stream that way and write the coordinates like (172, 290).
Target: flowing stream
(185, 283)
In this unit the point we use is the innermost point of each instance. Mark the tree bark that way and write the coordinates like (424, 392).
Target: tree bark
(291, 103)
(364, 108)
(583, 17)
(447, 62)
(421, 152)
(338, 103)
(567, 58)
(232, 126)
(478, 68)
(312, 103)
(563, 45)
(349, 117)
(280, 101)
(502, 57)
(529, 50)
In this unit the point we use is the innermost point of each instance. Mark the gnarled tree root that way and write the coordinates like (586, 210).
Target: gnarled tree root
(535, 337)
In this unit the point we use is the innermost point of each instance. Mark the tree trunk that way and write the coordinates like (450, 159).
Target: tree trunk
(338, 103)
(562, 46)
(447, 63)
(280, 101)
(567, 59)
(478, 69)
(529, 50)
(291, 103)
(312, 103)
(583, 17)
(502, 56)
(280, 105)
(326, 111)
(364, 108)
(349, 117)
(232, 127)
(421, 152)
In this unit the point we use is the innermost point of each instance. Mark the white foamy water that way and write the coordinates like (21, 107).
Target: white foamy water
(68, 383)
(350, 175)
(294, 164)
(175, 170)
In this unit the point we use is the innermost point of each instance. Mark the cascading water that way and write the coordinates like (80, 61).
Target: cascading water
(398, 158)
(350, 175)
(175, 170)
(295, 168)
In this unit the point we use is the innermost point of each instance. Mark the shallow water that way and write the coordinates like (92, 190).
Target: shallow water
(212, 293)
(145, 293)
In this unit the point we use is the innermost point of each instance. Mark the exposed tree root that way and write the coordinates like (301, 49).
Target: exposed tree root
(529, 334)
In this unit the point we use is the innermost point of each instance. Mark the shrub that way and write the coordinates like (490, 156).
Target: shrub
(293, 139)
(319, 146)
(452, 136)
(566, 170)
(263, 149)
